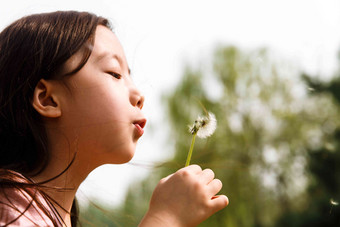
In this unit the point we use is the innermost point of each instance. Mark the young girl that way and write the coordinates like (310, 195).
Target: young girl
(67, 106)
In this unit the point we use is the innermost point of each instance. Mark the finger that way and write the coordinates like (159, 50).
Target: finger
(166, 178)
(215, 186)
(219, 202)
(193, 168)
(207, 176)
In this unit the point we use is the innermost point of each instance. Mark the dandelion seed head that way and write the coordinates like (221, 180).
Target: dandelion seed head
(204, 126)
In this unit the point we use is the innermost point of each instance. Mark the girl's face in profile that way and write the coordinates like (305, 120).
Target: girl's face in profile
(101, 106)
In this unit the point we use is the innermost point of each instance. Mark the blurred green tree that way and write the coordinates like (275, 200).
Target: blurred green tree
(95, 214)
(267, 124)
(323, 191)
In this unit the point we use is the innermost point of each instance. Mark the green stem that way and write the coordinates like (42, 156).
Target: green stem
(191, 149)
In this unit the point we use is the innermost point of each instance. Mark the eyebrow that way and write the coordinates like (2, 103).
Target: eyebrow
(115, 56)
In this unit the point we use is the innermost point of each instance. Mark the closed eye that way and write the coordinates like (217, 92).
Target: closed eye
(116, 75)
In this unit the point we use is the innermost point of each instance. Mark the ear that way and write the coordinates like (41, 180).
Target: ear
(45, 101)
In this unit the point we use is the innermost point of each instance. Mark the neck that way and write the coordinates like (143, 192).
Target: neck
(62, 189)
(67, 166)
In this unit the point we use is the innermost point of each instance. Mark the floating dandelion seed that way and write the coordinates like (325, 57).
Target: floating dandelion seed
(311, 89)
(333, 202)
(203, 128)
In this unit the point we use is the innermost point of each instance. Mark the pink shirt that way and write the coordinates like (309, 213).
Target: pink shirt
(15, 201)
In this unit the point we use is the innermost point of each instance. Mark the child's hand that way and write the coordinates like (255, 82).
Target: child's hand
(185, 198)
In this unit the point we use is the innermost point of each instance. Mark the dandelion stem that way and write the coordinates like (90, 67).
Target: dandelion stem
(191, 149)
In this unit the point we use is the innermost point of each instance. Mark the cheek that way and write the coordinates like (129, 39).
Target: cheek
(101, 119)
(96, 106)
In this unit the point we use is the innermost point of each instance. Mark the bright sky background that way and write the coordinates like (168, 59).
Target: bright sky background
(160, 37)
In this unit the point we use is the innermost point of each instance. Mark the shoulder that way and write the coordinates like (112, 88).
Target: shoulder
(23, 207)
(19, 208)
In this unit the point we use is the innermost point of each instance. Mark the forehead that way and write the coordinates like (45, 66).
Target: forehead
(106, 44)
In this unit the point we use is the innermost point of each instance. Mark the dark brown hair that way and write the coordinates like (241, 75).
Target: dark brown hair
(32, 48)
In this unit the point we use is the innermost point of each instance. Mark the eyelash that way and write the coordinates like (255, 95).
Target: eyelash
(116, 75)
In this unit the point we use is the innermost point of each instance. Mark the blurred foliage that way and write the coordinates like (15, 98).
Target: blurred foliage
(94, 215)
(275, 148)
(323, 191)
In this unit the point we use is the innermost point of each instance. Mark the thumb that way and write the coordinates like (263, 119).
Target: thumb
(219, 202)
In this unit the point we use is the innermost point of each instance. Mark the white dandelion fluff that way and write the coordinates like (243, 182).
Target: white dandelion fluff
(204, 126)
(333, 202)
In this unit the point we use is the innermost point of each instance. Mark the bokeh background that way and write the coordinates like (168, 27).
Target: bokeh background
(269, 70)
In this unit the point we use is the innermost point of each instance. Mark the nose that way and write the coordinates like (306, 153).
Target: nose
(136, 97)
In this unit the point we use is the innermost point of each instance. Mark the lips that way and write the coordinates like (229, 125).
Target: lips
(139, 126)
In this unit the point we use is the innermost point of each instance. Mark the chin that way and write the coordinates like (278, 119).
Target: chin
(121, 158)
(127, 158)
